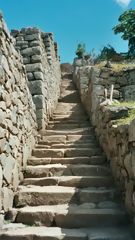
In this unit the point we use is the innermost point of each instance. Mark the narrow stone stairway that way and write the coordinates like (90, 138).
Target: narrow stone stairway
(68, 191)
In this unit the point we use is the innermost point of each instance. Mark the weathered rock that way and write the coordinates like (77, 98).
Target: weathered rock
(34, 67)
(128, 93)
(116, 113)
(131, 131)
(32, 37)
(1, 221)
(30, 76)
(36, 59)
(39, 75)
(7, 198)
(31, 51)
(15, 176)
(36, 87)
(2, 144)
(39, 101)
(8, 164)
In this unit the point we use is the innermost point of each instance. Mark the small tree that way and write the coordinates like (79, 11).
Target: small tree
(80, 52)
(126, 26)
(107, 53)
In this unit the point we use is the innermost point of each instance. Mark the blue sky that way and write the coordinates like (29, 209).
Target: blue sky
(72, 21)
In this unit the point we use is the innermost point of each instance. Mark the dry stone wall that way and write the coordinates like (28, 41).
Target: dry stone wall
(40, 56)
(18, 126)
(115, 136)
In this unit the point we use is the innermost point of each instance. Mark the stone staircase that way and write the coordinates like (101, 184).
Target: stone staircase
(68, 191)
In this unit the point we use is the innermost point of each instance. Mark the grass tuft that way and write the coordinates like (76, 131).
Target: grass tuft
(131, 113)
(117, 67)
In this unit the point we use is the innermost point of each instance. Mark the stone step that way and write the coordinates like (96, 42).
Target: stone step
(69, 92)
(41, 233)
(67, 145)
(80, 131)
(67, 83)
(71, 109)
(67, 99)
(64, 143)
(73, 106)
(18, 231)
(69, 152)
(70, 105)
(71, 181)
(53, 139)
(70, 216)
(69, 121)
(79, 138)
(69, 96)
(65, 117)
(51, 170)
(70, 113)
(94, 160)
(66, 125)
(67, 87)
(53, 195)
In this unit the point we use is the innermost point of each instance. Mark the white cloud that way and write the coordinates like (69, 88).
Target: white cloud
(123, 3)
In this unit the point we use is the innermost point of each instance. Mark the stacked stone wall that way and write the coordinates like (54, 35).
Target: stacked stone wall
(40, 56)
(116, 135)
(18, 127)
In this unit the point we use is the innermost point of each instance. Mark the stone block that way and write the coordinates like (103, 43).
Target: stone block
(98, 90)
(24, 47)
(131, 78)
(128, 164)
(1, 203)
(1, 72)
(32, 37)
(30, 30)
(128, 93)
(25, 155)
(40, 113)
(36, 59)
(1, 220)
(14, 141)
(5, 65)
(21, 43)
(36, 87)
(39, 75)
(2, 144)
(122, 80)
(7, 198)
(39, 101)
(42, 123)
(15, 179)
(1, 177)
(105, 73)
(131, 131)
(113, 113)
(8, 164)
(31, 51)
(26, 60)
(2, 133)
(35, 67)
(34, 43)
(30, 76)
(116, 94)
(2, 116)
(133, 161)
(129, 195)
